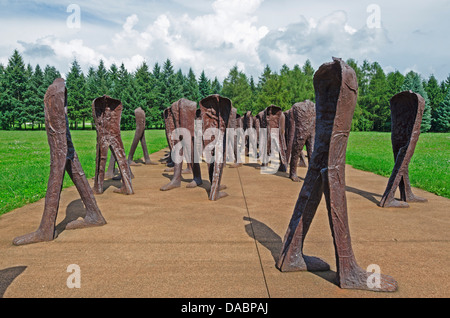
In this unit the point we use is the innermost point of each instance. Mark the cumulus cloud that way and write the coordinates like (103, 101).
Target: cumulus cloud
(319, 41)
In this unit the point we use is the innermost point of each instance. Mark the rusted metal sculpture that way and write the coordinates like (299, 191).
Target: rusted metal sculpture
(107, 113)
(234, 123)
(182, 114)
(62, 158)
(139, 137)
(169, 127)
(248, 122)
(215, 113)
(274, 118)
(259, 123)
(336, 90)
(406, 117)
(303, 116)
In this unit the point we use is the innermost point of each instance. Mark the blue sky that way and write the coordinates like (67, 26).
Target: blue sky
(215, 35)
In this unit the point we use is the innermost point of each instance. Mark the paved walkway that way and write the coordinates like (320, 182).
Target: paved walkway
(179, 244)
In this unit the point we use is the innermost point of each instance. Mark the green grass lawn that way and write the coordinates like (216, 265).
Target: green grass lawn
(25, 162)
(429, 168)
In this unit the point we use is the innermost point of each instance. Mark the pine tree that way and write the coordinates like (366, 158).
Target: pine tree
(204, 86)
(435, 95)
(216, 87)
(413, 82)
(237, 88)
(76, 90)
(376, 100)
(190, 87)
(34, 96)
(14, 87)
(442, 119)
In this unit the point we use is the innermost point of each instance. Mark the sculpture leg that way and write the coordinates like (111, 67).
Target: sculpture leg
(176, 178)
(46, 230)
(93, 215)
(147, 159)
(388, 200)
(349, 274)
(297, 150)
(124, 168)
(196, 170)
(406, 193)
(111, 168)
(292, 257)
(134, 144)
(215, 177)
(102, 155)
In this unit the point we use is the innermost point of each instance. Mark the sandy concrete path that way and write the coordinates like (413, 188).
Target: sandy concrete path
(179, 244)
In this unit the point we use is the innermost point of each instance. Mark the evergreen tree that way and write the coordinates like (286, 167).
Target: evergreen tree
(170, 89)
(76, 90)
(2, 95)
(102, 79)
(413, 82)
(14, 86)
(442, 120)
(237, 88)
(34, 97)
(204, 86)
(216, 87)
(435, 96)
(376, 100)
(270, 91)
(191, 87)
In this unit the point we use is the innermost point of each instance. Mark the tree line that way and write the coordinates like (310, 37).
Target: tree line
(22, 89)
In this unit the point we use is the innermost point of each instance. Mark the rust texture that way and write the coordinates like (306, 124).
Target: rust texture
(63, 157)
(139, 136)
(235, 122)
(303, 118)
(182, 114)
(274, 118)
(336, 90)
(406, 117)
(215, 113)
(107, 113)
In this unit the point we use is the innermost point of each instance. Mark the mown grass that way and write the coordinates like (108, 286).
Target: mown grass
(429, 168)
(25, 162)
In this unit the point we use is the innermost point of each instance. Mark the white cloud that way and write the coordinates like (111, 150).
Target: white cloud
(318, 41)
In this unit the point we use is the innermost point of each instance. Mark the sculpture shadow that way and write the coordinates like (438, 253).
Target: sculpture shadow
(74, 211)
(273, 242)
(116, 182)
(264, 235)
(7, 276)
(365, 194)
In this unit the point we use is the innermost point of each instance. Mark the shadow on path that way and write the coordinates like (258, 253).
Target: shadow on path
(7, 276)
(273, 242)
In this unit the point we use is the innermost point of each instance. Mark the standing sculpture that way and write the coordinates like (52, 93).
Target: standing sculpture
(62, 158)
(107, 113)
(248, 124)
(234, 123)
(169, 127)
(215, 113)
(304, 117)
(406, 117)
(139, 137)
(182, 114)
(274, 118)
(336, 90)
